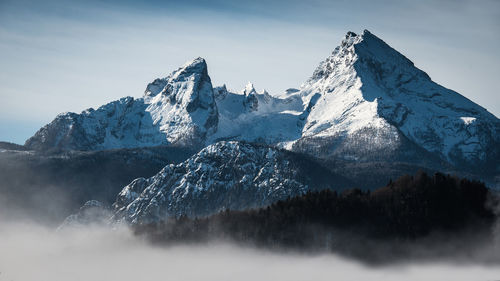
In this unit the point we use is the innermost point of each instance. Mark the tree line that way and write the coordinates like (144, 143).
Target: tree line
(406, 209)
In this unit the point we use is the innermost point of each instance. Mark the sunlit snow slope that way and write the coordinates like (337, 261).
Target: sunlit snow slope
(177, 110)
(367, 95)
(365, 102)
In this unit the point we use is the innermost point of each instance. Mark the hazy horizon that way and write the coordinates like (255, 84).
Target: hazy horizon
(98, 253)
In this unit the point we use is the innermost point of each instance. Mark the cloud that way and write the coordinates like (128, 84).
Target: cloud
(31, 252)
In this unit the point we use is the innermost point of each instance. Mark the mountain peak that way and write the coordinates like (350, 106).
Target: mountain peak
(350, 34)
(353, 34)
(249, 88)
(365, 84)
(363, 44)
(365, 48)
(196, 66)
(183, 102)
(366, 101)
(196, 63)
(355, 38)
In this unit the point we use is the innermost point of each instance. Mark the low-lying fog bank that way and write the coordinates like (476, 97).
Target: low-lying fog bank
(32, 252)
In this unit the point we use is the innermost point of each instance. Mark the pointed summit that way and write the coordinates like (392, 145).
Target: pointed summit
(184, 103)
(196, 61)
(367, 55)
(196, 66)
(179, 110)
(249, 88)
(367, 90)
(352, 38)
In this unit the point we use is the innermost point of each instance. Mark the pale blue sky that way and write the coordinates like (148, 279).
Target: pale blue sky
(58, 56)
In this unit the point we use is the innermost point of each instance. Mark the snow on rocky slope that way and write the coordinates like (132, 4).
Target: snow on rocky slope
(365, 102)
(177, 110)
(226, 175)
(368, 95)
(257, 117)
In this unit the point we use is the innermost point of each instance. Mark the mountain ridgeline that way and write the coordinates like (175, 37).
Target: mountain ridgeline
(189, 148)
(366, 102)
(226, 175)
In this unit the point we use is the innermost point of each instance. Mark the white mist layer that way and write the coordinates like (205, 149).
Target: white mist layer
(30, 252)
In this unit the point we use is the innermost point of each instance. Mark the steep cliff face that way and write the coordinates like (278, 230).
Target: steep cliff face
(182, 105)
(177, 110)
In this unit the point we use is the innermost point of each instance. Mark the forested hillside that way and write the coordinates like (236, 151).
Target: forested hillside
(408, 210)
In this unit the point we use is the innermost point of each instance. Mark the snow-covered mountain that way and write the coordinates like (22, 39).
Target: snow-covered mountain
(226, 175)
(177, 110)
(365, 102)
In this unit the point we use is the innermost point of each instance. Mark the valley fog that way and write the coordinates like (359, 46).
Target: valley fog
(29, 251)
